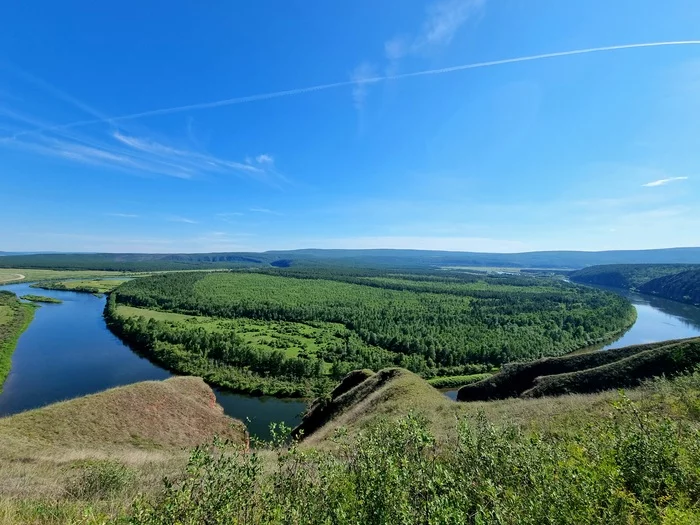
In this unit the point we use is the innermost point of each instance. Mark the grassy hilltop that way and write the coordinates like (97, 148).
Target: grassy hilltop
(93, 455)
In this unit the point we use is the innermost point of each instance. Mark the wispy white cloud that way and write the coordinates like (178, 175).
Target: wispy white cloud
(264, 210)
(116, 148)
(362, 76)
(265, 159)
(123, 215)
(663, 182)
(444, 19)
(177, 218)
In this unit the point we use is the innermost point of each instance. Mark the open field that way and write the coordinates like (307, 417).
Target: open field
(9, 275)
(94, 286)
(293, 339)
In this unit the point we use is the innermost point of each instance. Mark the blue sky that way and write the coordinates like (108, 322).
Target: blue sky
(227, 126)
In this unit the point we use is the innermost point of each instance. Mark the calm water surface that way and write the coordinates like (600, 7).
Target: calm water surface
(67, 351)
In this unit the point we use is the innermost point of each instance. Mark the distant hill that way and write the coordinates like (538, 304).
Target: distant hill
(683, 286)
(678, 282)
(358, 258)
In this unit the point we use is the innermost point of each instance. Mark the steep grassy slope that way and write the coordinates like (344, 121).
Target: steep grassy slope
(97, 452)
(683, 287)
(591, 372)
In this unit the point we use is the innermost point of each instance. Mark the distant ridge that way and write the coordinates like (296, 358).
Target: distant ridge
(381, 258)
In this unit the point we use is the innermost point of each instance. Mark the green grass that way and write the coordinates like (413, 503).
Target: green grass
(14, 319)
(456, 381)
(41, 299)
(94, 286)
(293, 339)
(9, 275)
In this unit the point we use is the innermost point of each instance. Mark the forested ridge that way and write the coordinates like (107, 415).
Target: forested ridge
(678, 282)
(683, 286)
(377, 258)
(433, 324)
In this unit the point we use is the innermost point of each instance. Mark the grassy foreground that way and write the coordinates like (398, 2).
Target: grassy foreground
(85, 460)
(393, 450)
(388, 449)
(14, 319)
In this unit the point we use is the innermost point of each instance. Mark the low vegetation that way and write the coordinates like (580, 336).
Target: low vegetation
(590, 372)
(382, 448)
(629, 463)
(15, 317)
(457, 381)
(87, 459)
(41, 299)
(294, 332)
(13, 275)
(93, 286)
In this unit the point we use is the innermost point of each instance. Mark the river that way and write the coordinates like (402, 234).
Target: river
(67, 351)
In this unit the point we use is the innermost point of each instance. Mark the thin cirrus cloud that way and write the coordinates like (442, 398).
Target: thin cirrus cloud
(265, 211)
(184, 220)
(123, 215)
(663, 182)
(111, 147)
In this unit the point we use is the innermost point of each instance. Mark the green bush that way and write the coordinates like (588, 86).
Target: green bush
(629, 468)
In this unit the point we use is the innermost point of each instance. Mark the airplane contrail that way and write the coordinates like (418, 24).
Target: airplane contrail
(372, 80)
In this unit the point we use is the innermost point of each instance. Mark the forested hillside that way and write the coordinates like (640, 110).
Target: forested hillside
(677, 282)
(683, 286)
(327, 323)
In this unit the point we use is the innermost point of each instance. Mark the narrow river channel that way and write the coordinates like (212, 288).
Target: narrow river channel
(67, 351)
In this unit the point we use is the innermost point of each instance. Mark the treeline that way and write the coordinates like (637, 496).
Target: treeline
(628, 276)
(453, 325)
(14, 319)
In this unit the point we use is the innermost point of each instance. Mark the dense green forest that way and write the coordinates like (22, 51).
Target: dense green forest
(683, 286)
(14, 319)
(386, 259)
(437, 324)
(629, 276)
(678, 282)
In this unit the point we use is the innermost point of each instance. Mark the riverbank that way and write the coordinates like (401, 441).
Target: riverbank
(15, 317)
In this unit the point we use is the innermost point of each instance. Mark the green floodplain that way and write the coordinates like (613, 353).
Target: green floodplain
(41, 299)
(540, 436)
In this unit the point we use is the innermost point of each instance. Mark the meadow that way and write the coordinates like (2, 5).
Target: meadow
(93, 286)
(15, 275)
